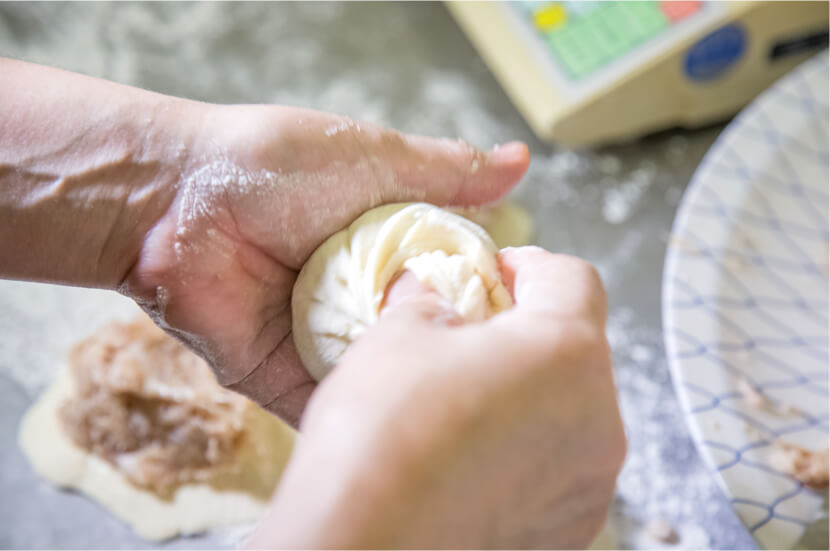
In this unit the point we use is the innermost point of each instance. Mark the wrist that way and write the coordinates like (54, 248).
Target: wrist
(166, 131)
(91, 165)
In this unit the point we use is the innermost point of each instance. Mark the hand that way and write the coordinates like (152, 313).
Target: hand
(264, 186)
(434, 434)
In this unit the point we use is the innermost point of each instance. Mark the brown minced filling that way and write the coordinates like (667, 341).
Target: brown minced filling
(150, 407)
(809, 467)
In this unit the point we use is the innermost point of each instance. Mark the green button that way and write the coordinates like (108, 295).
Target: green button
(577, 56)
(615, 41)
(645, 18)
(617, 22)
(604, 34)
(592, 40)
(566, 51)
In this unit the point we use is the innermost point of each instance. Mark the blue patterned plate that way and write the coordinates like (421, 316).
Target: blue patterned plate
(745, 297)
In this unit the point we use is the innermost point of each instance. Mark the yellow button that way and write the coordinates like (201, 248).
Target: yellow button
(550, 17)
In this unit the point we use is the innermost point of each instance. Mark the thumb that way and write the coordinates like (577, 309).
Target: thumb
(409, 300)
(553, 284)
(452, 172)
(409, 167)
(440, 171)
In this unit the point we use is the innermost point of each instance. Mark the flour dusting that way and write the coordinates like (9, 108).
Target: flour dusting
(407, 66)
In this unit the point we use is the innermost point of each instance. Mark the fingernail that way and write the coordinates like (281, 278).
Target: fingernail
(509, 151)
(402, 287)
(407, 287)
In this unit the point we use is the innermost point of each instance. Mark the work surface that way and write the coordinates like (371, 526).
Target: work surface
(406, 66)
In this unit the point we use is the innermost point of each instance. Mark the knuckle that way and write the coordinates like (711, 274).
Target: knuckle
(585, 338)
(592, 298)
(583, 269)
(559, 344)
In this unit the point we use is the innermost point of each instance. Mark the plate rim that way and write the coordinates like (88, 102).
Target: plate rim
(672, 262)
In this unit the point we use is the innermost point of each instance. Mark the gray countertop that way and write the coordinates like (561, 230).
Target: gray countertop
(407, 66)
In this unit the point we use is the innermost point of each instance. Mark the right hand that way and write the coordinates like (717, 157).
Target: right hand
(432, 434)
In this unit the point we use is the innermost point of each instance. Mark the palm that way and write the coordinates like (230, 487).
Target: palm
(218, 270)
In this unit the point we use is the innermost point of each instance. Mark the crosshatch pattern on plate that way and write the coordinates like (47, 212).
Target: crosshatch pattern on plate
(745, 301)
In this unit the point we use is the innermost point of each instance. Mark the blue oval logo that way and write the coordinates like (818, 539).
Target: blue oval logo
(711, 56)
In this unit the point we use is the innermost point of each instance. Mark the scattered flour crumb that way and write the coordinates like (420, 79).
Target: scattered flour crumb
(342, 126)
(610, 165)
(619, 202)
(676, 149)
(641, 354)
(750, 395)
(662, 531)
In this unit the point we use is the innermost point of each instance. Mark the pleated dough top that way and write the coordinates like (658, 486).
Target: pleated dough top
(341, 288)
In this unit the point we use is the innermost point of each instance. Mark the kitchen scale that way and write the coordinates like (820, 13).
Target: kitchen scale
(587, 73)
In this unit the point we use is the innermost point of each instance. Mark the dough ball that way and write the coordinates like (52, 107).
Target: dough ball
(340, 290)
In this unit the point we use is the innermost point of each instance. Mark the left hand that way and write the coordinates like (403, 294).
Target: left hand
(264, 186)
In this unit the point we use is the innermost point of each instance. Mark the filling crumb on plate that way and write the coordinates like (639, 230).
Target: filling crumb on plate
(809, 467)
(662, 531)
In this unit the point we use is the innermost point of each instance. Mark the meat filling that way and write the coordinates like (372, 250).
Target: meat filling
(150, 407)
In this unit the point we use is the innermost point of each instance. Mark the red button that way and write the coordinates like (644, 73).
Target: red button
(675, 11)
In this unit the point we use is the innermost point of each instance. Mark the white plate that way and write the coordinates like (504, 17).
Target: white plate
(745, 293)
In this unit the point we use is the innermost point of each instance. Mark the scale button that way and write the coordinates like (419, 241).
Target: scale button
(715, 53)
(675, 11)
(550, 17)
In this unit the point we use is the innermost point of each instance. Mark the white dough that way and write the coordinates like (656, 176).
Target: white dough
(227, 500)
(341, 288)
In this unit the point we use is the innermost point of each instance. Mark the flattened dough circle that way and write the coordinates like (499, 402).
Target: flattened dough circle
(193, 508)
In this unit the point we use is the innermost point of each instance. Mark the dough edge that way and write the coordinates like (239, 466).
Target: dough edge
(194, 508)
